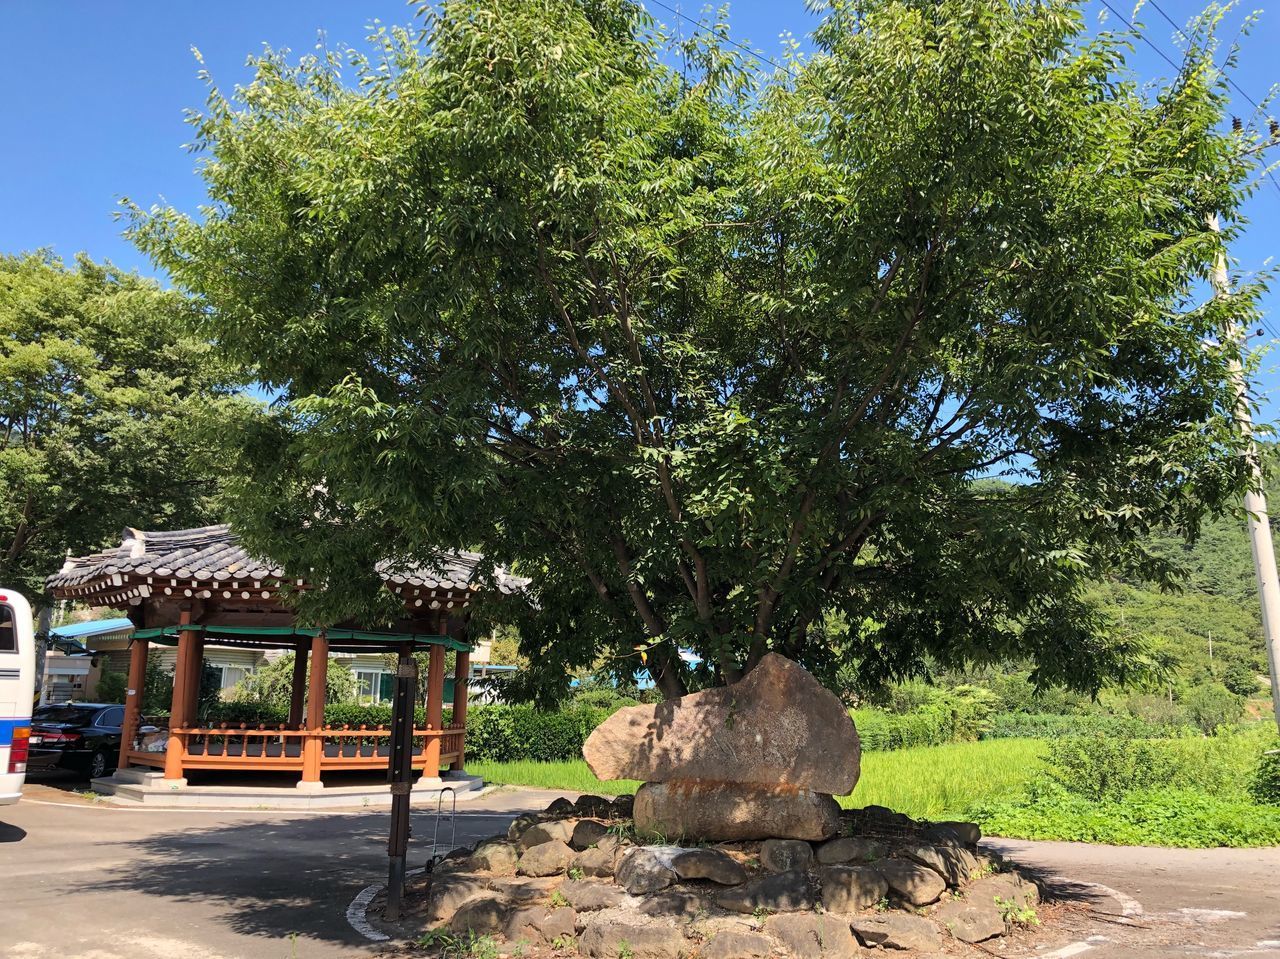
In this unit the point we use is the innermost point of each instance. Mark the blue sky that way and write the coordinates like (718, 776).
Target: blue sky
(92, 98)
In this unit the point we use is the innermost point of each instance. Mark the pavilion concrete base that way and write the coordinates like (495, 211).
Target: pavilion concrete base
(145, 787)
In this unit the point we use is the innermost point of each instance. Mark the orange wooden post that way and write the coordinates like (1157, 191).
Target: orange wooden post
(298, 692)
(313, 743)
(176, 747)
(461, 674)
(435, 710)
(196, 668)
(133, 698)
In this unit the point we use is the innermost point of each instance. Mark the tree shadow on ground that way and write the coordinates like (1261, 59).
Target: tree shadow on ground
(274, 877)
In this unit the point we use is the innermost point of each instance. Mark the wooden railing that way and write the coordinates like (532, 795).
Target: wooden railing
(283, 749)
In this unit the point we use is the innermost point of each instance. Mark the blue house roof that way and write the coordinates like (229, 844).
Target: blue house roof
(95, 627)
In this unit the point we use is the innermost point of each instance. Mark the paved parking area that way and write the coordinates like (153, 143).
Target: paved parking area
(84, 880)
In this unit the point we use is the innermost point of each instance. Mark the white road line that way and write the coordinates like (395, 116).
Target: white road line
(1067, 951)
(1128, 905)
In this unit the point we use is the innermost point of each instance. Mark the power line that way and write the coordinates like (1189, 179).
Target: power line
(1149, 42)
(1235, 86)
(741, 46)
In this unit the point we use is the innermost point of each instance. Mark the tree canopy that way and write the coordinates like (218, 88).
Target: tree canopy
(99, 377)
(716, 355)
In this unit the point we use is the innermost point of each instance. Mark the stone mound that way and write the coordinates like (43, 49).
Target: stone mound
(884, 882)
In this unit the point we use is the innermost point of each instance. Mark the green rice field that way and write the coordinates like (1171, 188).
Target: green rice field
(928, 782)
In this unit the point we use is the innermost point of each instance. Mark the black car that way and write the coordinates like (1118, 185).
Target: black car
(80, 736)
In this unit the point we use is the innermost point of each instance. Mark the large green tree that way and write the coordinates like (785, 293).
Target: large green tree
(714, 355)
(99, 378)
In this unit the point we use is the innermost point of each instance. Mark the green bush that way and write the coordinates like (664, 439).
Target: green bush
(1212, 705)
(1057, 726)
(1152, 817)
(932, 717)
(1102, 767)
(510, 733)
(112, 687)
(1264, 787)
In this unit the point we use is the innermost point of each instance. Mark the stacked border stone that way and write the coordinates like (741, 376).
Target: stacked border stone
(579, 877)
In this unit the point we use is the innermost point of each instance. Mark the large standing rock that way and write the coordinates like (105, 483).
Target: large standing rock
(777, 726)
(727, 811)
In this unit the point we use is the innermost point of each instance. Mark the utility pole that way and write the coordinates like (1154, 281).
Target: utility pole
(1255, 501)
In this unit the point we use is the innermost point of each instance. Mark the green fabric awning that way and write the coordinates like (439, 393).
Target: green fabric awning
(278, 636)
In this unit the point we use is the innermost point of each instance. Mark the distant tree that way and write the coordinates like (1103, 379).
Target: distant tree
(99, 379)
(1241, 679)
(1210, 705)
(713, 355)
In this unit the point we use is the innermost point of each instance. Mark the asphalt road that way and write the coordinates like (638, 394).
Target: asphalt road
(90, 881)
(83, 880)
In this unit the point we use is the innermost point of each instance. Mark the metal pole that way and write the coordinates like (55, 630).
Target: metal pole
(1255, 502)
(399, 774)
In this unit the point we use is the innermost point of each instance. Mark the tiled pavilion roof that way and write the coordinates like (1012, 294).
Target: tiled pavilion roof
(210, 560)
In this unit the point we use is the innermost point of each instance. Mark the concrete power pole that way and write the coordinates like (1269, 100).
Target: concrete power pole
(1255, 502)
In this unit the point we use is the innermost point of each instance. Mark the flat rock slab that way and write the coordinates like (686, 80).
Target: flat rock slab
(807, 936)
(896, 930)
(779, 725)
(545, 859)
(646, 869)
(856, 849)
(481, 916)
(851, 888)
(712, 864)
(586, 896)
(911, 882)
(780, 892)
(737, 945)
(609, 938)
(784, 855)
(970, 921)
(731, 811)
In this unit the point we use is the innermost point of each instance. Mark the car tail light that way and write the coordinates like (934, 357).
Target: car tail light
(61, 737)
(18, 749)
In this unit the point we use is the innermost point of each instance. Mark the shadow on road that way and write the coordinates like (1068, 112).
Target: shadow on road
(275, 877)
(11, 833)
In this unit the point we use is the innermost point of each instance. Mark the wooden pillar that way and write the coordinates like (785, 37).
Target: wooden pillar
(298, 692)
(435, 710)
(461, 675)
(133, 698)
(313, 743)
(176, 748)
(195, 666)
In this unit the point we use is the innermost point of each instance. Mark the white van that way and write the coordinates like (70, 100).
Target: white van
(17, 692)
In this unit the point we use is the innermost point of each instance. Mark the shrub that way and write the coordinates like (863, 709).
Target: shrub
(880, 730)
(1212, 705)
(1102, 767)
(1153, 817)
(111, 687)
(1055, 726)
(1264, 787)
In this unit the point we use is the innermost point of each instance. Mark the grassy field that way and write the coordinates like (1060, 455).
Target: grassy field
(930, 782)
